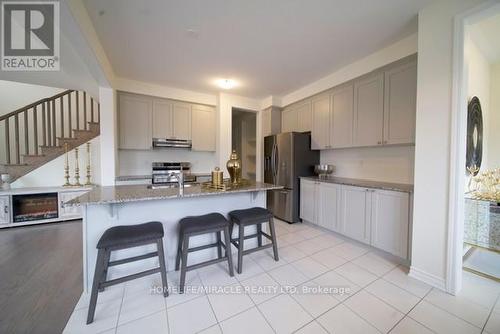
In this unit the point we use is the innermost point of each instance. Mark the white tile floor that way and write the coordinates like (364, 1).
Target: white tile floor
(382, 297)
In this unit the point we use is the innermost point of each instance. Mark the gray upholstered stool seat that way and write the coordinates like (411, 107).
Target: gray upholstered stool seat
(196, 225)
(253, 216)
(193, 224)
(126, 235)
(122, 237)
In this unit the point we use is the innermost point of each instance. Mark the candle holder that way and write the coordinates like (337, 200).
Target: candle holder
(77, 170)
(88, 182)
(66, 166)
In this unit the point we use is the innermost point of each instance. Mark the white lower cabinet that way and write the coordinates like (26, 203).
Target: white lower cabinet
(308, 196)
(4, 209)
(379, 218)
(355, 208)
(329, 196)
(390, 221)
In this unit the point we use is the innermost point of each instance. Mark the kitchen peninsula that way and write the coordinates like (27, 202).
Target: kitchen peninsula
(109, 206)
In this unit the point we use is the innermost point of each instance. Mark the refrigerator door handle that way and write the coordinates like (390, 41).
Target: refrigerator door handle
(276, 163)
(273, 166)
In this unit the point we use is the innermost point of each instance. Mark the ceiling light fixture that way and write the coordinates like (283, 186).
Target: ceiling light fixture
(226, 83)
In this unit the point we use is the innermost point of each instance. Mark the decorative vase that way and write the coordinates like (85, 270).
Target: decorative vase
(217, 177)
(234, 168)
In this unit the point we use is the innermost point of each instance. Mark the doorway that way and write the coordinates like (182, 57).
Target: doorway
(244, 140)
(474, 228)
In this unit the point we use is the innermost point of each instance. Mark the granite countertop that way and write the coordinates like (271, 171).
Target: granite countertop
(39, 190)
(403, 187)
(149, 176)
(136, 193)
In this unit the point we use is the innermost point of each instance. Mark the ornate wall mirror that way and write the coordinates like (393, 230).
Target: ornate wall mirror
(474, 136)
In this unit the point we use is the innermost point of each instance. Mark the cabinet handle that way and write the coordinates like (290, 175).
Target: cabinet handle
(6, 209)
(379, 143)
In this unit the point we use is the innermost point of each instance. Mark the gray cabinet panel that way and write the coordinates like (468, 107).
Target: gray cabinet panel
(135, 122)
(369, 110)
(320, 134)
(341, 134)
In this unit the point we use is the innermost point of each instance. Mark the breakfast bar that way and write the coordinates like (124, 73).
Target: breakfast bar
(109, 206)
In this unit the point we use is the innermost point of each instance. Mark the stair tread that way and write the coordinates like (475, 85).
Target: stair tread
(32, 155)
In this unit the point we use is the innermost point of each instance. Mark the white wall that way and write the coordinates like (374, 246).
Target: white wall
(52, 173)
(478, 84)
(494, 119)
(432, 150)
(14, 95)
(389, 164)
(135, 162)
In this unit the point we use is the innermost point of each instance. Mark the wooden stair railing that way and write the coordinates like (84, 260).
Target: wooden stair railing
(47, 123)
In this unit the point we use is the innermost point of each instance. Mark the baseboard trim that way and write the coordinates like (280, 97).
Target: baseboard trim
(432, 280)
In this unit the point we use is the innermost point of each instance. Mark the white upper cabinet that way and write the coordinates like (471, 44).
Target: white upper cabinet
(369, 110)
(135, 122)
(297, 117)
(320, 133)
(390, 222)
(181, 114)
(203, 128)
(400, 104)
(304, 117)
(342, 117)
(162, 118)
(289, 120)
(355, 208)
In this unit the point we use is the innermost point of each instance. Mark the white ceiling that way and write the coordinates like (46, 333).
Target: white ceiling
(270, 47)
(485, 35)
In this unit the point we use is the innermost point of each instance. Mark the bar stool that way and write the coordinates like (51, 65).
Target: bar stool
(122, 237)
(198, 225)
(247, 217)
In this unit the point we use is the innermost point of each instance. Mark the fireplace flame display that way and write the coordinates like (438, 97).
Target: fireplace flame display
(34, 207)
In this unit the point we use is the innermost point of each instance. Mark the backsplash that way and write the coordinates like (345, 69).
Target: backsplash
(132, 162)
(389, 163)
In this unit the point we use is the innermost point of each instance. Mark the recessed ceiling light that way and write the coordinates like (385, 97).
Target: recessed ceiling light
(226, 83)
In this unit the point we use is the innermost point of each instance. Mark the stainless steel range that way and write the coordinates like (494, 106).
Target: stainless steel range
(168, 173)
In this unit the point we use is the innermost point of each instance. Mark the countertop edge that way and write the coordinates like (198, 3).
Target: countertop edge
(382, 185)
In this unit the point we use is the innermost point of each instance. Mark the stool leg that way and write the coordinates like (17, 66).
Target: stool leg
(99, 270)
(185, 247)
(179, 250)
(259, 234)
(241, 236)
(219, 246)
(163, 269)
(107, 255)
(227, 240)
(273, 236)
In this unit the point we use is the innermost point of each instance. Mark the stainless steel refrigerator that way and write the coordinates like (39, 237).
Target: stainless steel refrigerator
(287, 156)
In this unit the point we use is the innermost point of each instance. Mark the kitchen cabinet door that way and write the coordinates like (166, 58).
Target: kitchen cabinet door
(320, 133)
(304, 117)
(369, 110)
(203, 128)
(266, 122)
(329, 206)
(135, 122)
(356, 214)
(181, 113)
(400, 104)
(342, 119)
(162, 119)
(390, 221)
(4, 209)
(308, 196)
(289, 120)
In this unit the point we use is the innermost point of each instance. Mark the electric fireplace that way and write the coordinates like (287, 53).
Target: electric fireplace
(31, 207)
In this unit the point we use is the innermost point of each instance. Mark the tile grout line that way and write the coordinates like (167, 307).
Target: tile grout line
(491, 312)
(406, 315)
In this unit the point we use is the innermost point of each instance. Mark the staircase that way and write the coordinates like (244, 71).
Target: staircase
(37, 133)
